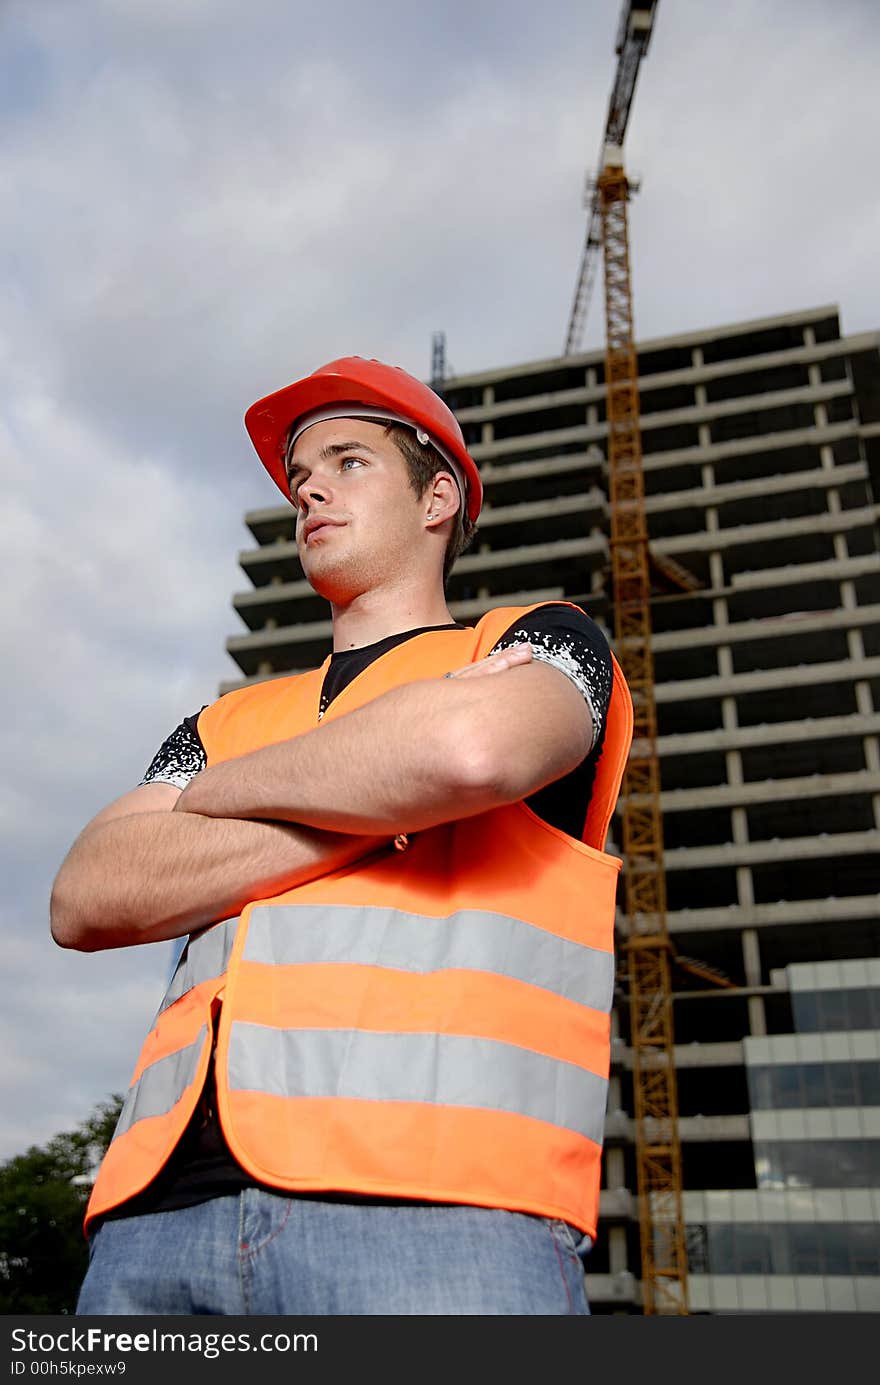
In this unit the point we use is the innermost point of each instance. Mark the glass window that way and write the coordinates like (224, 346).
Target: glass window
(787, 1087)
(864, 1242)
(860, 1161)
(806, 1012)
(869, 1083)
(858, 1006)
(779, 1248)
(790, 1086)
(760, 1088)
(722, 1258)
(752, 1249)
(842, 1084)
(817, 1163)
(805, 1257)
(768, 1169)
(815, 1084)
(798, 1169)
(854, 1007)
(857, 1162)
(835, 1244)
(832, 1010)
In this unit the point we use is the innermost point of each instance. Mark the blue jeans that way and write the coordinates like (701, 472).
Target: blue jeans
(264, 1253)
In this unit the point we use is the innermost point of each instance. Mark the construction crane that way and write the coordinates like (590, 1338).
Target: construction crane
(648, 951)
(633, 37)
(438, 360)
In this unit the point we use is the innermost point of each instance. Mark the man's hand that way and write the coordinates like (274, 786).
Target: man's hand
(495, 663)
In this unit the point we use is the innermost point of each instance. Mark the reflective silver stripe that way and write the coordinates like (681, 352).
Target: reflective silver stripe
(205, 956)
(443, 1069)
(470, 939)
(161, 1085)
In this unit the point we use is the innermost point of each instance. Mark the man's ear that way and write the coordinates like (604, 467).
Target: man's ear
(442, 499)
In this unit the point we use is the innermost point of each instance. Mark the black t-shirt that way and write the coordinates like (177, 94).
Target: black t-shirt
(201, 1166)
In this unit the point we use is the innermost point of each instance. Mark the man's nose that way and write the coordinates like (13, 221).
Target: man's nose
(313, 491)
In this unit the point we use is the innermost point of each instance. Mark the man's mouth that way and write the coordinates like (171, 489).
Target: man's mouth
(317, 525)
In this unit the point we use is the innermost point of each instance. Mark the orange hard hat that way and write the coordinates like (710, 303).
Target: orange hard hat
(356, 381)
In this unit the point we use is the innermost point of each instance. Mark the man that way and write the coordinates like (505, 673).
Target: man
(377, 1081)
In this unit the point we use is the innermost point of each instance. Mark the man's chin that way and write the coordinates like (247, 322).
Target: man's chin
(329, 580)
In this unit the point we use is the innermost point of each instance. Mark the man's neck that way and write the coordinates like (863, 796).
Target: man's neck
(373, 616)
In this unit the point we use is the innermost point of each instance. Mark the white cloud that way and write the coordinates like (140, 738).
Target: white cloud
(71, 1028)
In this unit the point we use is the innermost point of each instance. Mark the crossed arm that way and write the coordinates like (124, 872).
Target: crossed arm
(157, 864)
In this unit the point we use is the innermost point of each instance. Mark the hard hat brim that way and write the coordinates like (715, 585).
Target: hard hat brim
(268, 423)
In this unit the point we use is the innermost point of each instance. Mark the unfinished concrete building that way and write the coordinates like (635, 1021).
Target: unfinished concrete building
(761, 440)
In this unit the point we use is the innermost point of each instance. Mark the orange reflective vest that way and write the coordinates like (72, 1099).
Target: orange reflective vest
(431, 1024)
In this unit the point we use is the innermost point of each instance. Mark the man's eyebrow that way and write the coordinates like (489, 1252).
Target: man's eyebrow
(335, 449)
(332, 449)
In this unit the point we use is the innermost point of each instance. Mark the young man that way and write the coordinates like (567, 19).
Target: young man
(377, 1081)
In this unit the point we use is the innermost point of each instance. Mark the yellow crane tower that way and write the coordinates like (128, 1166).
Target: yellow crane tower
(647, 951)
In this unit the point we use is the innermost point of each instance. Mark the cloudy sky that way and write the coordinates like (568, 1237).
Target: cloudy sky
(206, 198)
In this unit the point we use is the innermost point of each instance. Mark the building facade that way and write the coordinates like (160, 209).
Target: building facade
(762, 462)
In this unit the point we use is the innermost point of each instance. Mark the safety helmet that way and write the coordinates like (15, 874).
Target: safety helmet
(357, 381)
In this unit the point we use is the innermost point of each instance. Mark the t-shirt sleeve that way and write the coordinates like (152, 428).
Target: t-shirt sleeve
(180, 757)
(569, 640)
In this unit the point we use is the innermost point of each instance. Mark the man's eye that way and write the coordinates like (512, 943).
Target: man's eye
(346, 461)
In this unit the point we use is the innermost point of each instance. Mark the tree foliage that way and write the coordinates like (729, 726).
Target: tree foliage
(43, 1194)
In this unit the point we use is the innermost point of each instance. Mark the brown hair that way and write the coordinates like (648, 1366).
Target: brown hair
(423, 461)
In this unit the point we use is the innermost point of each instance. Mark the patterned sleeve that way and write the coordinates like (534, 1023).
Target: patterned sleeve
(572, 642)
(179, 758)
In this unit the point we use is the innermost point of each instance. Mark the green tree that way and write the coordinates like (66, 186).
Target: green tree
(43, 1193)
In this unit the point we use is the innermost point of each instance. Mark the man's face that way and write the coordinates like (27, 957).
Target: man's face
(359, 524)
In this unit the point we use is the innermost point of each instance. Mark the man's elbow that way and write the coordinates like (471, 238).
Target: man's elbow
(489, 767)
(71, 923)
(61, 925)
(480, 771)
(63, 922)
(517, 733)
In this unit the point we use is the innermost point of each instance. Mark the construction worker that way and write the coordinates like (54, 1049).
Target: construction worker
(377, 1081)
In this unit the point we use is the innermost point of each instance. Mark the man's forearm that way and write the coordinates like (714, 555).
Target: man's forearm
(419, 755)
(390, 766)
(153, 876)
